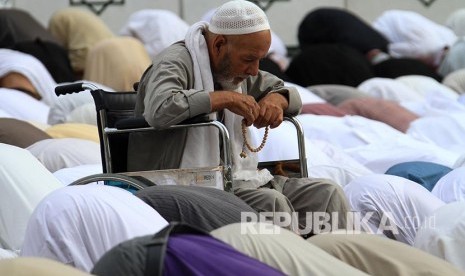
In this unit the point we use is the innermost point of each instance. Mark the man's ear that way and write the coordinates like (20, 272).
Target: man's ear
(219, 43)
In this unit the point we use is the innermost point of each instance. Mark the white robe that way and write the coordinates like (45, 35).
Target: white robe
(444, 236)
(21, 106)
(24, 183)
(32, 69)
(412, 35)
(76, 225)
(394, 202)
(373, 144)
(59, 153)
(451, 187)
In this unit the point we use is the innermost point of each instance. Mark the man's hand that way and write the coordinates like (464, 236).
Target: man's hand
(271, 113)
(238, 103)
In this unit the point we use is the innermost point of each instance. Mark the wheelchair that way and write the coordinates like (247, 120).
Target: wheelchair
(115, 122)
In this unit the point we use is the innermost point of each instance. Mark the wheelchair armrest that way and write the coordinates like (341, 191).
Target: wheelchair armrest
(133, 122)
(140, 122)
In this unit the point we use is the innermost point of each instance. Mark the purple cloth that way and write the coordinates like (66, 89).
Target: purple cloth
(203, 255)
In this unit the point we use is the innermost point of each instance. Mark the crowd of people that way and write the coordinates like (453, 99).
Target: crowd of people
(382, 109)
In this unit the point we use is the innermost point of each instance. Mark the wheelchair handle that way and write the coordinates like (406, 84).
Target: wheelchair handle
(75, 87)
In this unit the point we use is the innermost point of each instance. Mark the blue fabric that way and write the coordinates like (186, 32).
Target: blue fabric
(189, 254)
(426, 174)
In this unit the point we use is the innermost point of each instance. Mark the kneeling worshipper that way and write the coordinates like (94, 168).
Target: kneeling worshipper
(412, 35)
(445, 236)
(156, 29)
(71, 174)
(117, 62)
(24, 266)
(59, 153)
(391, 205)
(78, 30)
(379, 256)
(451, 187)
(206, 208)
(336, 94)
(426, 174)
(19, 105)
(76, 225)
(178, 249)
(20, 133)
(281, 249)
(24, 183)
(388, 112)
(74, 130)
(26, 73)
(373, 144)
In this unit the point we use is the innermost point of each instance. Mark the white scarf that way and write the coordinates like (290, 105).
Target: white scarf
(245, 171)
(32, 69)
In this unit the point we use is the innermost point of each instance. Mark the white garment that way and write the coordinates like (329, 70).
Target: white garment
(7, 254)
(24, 182)
(390, 89)
(4, 114)
(413, 35)
(451, 187)
(396, 203)
(62, 153)
(69, 175)
(306, 96)
(76, 225)
(428, 86)
(21, 106)
(66, 104)
(32, 69)
(446, 131)
(199, 139)
(156, 29)
(323, 159)
(84, 114)
(444, 236)
(70, 107)
(373, 144)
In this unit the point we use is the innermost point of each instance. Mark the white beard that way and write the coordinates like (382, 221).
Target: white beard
(229, 85)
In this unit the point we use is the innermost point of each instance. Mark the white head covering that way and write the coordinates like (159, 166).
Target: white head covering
(392, 201)
(76, 225)
(157, 29)
(238, 17)
(451, 187)
(32, 69)
(24, 182)
(411, 34)
(445, 236)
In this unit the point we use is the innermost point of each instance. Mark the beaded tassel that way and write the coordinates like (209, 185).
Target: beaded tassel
(246, 144)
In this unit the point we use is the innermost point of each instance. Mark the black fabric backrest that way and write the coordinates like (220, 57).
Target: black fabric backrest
(116, 106)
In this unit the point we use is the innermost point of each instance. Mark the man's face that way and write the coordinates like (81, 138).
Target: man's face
(240, 58)
(225, 75)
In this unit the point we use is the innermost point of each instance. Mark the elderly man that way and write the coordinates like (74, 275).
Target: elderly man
(215, 69)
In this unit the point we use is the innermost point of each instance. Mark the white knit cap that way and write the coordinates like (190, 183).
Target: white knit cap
(238, 17)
